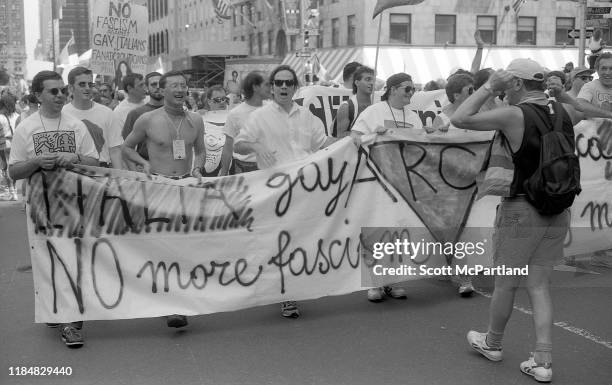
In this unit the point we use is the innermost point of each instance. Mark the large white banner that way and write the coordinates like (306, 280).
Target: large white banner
(119, 38)
(110, 244)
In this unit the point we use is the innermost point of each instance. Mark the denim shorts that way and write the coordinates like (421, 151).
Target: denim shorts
(524, 237)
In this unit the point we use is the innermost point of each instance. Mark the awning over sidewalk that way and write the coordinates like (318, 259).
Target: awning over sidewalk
(425, 64)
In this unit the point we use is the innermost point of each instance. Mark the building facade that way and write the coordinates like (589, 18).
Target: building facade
(12, 37)
(188, 35)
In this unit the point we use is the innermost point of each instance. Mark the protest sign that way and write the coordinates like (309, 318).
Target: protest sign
(110, 244)
(119, 38)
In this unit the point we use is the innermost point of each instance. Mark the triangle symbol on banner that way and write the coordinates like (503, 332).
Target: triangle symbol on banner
(437, 180)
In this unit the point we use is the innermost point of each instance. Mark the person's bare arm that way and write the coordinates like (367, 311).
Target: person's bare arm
(137, 136)
(200, 150)
(342, 120)
(478, 55)
(226, 155)
(22, 170)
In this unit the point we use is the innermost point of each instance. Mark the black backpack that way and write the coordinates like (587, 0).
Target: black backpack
(556, 182)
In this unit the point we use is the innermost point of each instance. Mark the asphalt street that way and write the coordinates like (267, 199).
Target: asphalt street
(337, 340)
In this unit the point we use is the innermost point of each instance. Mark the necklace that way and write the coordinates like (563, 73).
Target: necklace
(177, 129)
(403, 116)
(43, 124)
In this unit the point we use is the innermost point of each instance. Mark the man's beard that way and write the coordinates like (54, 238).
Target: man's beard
(156, 97)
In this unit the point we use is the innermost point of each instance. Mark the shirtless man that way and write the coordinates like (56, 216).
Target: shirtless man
(172, 135)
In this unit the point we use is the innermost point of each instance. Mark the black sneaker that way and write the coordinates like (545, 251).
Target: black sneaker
(289, 309)
(71, 336)
(176, 321)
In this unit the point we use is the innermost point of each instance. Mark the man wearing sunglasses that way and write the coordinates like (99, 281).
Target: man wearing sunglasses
(97, 118)
(281, 132)
(47, 139)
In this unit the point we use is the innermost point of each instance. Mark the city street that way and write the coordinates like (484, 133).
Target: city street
(337, 340)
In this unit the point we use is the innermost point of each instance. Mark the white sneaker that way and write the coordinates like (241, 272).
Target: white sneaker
(478, 342)
(540, 372)
(375, 294)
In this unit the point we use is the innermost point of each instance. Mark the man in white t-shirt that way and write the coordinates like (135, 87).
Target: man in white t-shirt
(391, 112)
(97, 118)
(47, 139)
(134, 87)
(256, 89)
(218, 145)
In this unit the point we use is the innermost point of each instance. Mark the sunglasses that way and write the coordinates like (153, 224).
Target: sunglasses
(408, 89)
(288, 83)
(220, 100)
(585, 78)
(56, 91)
(470, 90)
(86, 84)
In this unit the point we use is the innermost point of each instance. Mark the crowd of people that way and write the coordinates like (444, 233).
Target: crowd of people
(162, 128)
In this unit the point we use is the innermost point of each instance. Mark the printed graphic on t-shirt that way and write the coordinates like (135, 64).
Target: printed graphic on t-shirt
(54, 141)
(604, 99)
(214, 141)
(397, 124)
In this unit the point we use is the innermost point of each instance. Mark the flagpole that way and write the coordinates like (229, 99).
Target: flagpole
(501, 22)
(377, 49)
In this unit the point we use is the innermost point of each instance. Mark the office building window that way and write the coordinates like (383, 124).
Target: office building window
(350, 31)
(270, 41)
(399, 28)
(526, 33)
(487, 25)
(335, 32)
(320, 37)
(292, 42)
(251, 44)
(260, 43)
(564, 25)
(445, 29)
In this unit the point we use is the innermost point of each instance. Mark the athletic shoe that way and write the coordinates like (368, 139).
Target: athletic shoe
(395, 292)
(478, 342)
(466, 289)
(289, 309)
(71, 336)
(375, 294)
(540, 372)
(176, 321)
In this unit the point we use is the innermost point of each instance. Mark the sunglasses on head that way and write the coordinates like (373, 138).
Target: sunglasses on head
(56, 91)
(220, 99)
(279, 83)
(85, 84)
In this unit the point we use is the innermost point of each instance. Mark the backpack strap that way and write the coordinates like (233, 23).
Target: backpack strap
(543, 126)
(351, 113)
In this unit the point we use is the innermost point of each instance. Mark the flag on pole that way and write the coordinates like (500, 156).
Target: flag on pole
(56, 9)
(318, 69)
(381, 5)
(222, 9)
(69, 56)
(517, 4)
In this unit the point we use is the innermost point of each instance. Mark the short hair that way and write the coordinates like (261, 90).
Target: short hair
(605, 55)
(130, 80)
(253, 78)
(77, 71)
(285, 68)
(358, 74)
(216, 87)
(150, 75)
(29, 98)
(431, 85)
(349, 70)
(559, 74)
(39, 79)
(481, 77)
(162, 81)
(456, 83)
